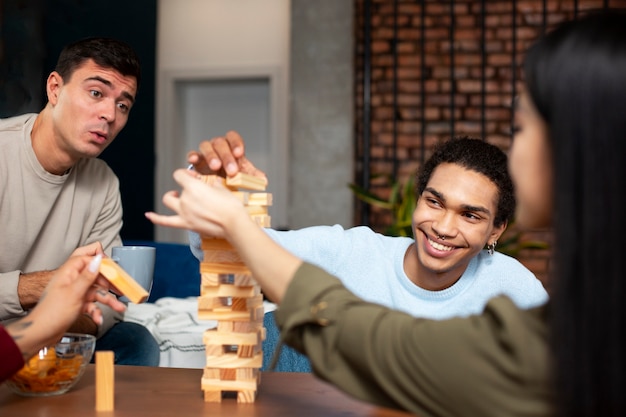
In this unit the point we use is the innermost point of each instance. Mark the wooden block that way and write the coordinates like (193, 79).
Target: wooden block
(122, 281)
(214, 350)
(247, 373)
(228, 374)
(218, 384)
(262, 220)
(246, 351)
(224, 314)
(231, 374)
(105, 381)
(246, 181)
(246, 396)
(209, 243)
(259, 199)
(214, 396)
(211, 373)
(256, 210)
(228, 314)
(263, 332)
(219, 308)
(213, 279)
(224, 268)
(213, 337)
(225, 326)
(211, 303)
(243, 396)
(208, 279)
(209, 289)
(248, 326)
(231, 360)
(243, 280)
(212, 179)
(243, 304)
(231, 290)
(225, 256)
(257, 313)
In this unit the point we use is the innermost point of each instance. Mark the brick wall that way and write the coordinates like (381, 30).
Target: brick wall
(432, 70)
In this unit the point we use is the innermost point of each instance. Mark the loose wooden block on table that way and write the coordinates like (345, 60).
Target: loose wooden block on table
(123, 281)
(105, 381)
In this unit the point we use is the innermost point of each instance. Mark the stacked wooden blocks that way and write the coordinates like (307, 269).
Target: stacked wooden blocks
(230, 295)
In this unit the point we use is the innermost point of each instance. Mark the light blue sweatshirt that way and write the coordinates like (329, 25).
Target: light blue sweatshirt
(371, 266)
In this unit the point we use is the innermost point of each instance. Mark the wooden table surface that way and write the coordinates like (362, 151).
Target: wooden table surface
(175, 392)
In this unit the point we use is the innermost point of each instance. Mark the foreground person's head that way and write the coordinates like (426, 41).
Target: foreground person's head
(568, 164)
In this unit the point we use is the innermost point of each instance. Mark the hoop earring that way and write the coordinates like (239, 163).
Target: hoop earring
(492, 247)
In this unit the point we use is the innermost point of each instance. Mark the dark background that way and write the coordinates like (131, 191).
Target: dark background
(32, 34)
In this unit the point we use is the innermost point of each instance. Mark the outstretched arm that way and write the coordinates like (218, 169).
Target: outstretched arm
(212, 210)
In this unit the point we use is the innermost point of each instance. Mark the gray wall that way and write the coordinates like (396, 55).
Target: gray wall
(321, 125)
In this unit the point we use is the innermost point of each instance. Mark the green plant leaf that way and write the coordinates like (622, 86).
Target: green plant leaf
(401, 204)
(370, 198)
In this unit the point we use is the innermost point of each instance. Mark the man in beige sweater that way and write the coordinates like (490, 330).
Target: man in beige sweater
(57, 198)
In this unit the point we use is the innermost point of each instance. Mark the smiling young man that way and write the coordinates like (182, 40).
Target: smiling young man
(465, 200)
(451, 225)
(57, 198)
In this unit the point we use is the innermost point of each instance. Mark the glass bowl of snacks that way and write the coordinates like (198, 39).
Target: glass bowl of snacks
(55, 368)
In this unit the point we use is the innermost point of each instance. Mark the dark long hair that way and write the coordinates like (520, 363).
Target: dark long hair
(576, 78)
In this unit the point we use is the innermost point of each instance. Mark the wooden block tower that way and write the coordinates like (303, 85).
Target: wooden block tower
(230, 295)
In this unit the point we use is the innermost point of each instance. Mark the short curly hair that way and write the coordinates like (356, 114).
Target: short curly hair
(479, 156)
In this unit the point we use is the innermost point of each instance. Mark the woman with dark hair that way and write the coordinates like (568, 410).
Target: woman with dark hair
(576, 94)
(563, 358)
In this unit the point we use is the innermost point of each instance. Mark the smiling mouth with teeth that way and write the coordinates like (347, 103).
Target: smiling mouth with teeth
(439, 246)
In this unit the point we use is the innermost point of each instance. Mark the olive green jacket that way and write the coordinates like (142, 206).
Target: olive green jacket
(493, 364)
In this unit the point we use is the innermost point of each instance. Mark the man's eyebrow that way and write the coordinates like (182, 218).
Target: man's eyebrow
(102, 80)
(435, 193)
(109, 84)
(128, 96)
(478, 209)
(466, 207)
